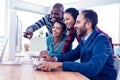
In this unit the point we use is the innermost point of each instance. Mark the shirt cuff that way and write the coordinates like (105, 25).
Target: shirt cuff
(29, 30)
(56, 59)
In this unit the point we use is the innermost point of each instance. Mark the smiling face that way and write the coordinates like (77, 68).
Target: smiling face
(69, 20)
(56, 14)
(81, 25)
(57, 30)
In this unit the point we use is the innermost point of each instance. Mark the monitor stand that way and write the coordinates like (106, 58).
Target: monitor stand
(12, 62)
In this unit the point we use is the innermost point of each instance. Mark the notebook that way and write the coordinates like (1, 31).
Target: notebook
(37, 44)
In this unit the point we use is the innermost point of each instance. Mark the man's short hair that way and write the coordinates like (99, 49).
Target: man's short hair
(91, 16)
(59, 5)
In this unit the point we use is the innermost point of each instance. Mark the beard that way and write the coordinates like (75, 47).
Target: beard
(82, 31)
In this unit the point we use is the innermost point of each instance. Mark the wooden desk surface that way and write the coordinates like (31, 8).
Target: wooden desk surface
(26, 72)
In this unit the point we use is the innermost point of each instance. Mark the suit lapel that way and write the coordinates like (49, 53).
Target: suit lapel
(89, 41)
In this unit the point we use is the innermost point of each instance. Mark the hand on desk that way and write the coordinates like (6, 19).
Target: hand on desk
(44, 54)
(49, 66)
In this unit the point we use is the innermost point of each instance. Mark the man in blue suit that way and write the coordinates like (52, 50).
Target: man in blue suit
(94, 51)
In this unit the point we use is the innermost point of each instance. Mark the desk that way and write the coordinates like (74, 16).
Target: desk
(26, 72)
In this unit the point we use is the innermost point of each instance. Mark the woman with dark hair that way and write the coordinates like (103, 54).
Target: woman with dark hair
(70, 17)
(56, 41)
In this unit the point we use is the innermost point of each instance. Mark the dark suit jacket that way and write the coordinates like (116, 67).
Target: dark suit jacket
(96, 58)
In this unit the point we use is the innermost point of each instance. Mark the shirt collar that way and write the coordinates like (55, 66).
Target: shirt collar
(85, 38)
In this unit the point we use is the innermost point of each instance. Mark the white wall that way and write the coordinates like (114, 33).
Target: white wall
(109, 20)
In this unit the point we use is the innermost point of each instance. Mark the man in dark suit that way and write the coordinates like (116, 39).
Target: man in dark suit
(94, 51)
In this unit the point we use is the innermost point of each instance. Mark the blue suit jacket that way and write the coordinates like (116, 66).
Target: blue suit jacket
(96, 58)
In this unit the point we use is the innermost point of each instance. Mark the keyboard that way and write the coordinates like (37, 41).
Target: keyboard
(36, 62)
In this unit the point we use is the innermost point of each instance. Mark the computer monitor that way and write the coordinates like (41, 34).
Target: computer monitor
(15, 39)
(18, 42)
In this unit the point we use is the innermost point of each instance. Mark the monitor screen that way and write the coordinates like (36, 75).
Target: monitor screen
(15, 36)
